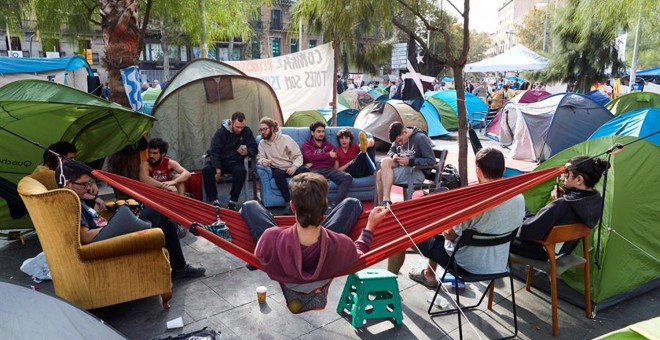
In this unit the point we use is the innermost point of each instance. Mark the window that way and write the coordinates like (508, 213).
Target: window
(293, 46)
(50, 45)
(276, 47)
(312, 43)
(256, 49)
(84, 45)
(15, 44)
(276, 19)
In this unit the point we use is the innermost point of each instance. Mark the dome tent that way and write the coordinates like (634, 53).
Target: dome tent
(537, 131)
(199, 97)
(527, 96)
(446, 104)
(633, 101)
(376, 118)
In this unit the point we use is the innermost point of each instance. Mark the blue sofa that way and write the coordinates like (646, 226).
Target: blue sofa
(363, 188)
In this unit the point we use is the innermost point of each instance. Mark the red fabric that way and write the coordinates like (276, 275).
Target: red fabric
(161, 172)
(422, 218)
(347, 157)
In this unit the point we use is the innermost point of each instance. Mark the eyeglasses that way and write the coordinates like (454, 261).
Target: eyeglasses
(87, 185)
(264, 129)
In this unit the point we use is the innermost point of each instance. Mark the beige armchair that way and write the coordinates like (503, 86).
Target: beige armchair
(98, 274)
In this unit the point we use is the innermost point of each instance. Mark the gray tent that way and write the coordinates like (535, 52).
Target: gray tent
(199, 97)
(30, 314)
(376, 118)
(537, 131)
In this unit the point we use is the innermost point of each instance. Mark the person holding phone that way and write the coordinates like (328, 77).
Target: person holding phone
(231, 143)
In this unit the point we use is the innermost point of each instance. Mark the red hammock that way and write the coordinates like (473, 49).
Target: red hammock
(422, 218)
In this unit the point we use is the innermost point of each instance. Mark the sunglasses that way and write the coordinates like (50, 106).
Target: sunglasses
(87, 185)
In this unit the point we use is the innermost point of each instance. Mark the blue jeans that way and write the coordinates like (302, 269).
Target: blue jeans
(340, 220)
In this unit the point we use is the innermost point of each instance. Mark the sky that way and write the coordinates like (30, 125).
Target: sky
(483, 13)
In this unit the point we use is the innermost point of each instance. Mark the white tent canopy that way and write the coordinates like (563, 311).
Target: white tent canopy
(518, 58)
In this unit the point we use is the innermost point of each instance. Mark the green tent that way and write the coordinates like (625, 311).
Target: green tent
(633, 101)
(47, 112)
(629, 251)
(304, 118)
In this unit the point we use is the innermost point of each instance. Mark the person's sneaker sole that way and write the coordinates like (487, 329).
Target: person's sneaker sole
(363, 141)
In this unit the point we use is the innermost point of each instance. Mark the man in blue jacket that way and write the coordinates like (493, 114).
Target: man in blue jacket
(230, 145)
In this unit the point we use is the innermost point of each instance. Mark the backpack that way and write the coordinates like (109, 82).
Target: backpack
(450, 177)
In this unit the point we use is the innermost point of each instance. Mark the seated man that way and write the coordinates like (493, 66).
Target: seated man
(353, 158)
(501, 219)
(307, 252)
(410, 147)
(580, 203)
(320, 156)
(230, 145)
(157, 169)
(282, 154)
(93, 227)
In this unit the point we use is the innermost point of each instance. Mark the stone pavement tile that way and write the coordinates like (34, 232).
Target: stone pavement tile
(214, 323)
(415, 304)
(238, 286)
(211, 257)
(197, 299)
(264, 321)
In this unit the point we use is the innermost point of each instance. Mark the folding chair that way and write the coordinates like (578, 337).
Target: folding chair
(475, 239)
(432, 183)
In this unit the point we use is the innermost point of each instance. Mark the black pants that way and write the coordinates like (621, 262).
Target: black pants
(434, 249)
(342, 179)
(362, 166)
(280, 177)
(238, 175)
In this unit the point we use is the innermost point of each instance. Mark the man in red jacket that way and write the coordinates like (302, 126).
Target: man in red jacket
(310, 250)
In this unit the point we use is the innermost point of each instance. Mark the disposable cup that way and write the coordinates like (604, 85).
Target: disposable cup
(261, 294)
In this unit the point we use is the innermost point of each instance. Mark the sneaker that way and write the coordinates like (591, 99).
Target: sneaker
(231, 205)
(188, 272)
(364, 141)
(215, 203)
(386, 203)
(181, 231)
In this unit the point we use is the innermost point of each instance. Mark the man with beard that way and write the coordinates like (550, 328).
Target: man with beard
(282, 154)
(158, 168)
(320, 156)
(230, 144)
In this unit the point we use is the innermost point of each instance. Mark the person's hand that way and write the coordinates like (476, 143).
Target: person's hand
(167, 184)
(267, 162)
(242, 150)
(376, 216)
(556, 192)
(332, 154)
(217, 176)
(290, 171)
(308, 165)
(403, 160)
(100, 203)
(449, 234)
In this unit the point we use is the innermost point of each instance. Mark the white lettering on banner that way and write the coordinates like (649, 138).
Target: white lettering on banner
(302, 81)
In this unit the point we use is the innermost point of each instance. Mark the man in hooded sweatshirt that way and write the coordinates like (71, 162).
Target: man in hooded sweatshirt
(580, 203)
(313, 248)
(320, 156)
(410, 147)
(231, 143)
(282, 154)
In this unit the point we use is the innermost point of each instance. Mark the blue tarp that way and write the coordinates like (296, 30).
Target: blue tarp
(649, 72)
(432, 118)
(598, 96)
(33, 65)
(638, 123)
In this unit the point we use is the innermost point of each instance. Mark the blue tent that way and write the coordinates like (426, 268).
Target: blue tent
(649, 72)
(346, 117)
(432, 117)
(446, 105)
(33, 65)
(638, 123)
(598, 96)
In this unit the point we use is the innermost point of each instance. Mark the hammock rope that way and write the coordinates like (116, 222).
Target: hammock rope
(423, 217)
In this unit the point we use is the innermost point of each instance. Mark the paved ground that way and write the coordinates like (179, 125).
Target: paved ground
(225, 300)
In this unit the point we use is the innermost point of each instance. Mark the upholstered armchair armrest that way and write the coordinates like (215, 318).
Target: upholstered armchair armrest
(264, 171)
(133, 243)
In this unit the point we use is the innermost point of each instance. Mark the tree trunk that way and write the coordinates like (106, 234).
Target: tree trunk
(164, 44)
(462, 124)
(202, 43)
(230, 49)
(119, 20)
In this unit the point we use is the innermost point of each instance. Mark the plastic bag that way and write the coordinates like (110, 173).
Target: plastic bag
(37, 268)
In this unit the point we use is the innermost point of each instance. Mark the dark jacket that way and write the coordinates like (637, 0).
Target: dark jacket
(576, 206)
(419, 149)
(225, 144)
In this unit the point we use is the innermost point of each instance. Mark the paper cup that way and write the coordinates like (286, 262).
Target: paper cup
(261, 294)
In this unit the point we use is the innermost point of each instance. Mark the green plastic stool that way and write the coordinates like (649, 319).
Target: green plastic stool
(371, 294)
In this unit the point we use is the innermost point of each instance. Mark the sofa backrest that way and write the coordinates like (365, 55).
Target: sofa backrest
(300, 134)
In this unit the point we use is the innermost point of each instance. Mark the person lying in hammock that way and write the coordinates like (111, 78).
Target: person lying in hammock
(307, 252)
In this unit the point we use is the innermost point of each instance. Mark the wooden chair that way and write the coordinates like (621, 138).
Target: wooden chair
(430, 184)
(556, 266)
(103, 273)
